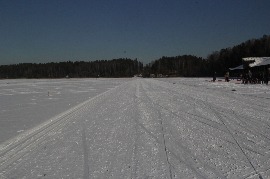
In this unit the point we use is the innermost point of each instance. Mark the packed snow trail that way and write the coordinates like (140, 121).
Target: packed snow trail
(148, 128)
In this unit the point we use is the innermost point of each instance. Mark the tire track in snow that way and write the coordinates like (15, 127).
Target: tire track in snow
(241, 148)
(21, 148)
(226, 125)
(135, 151)
(199, 98)
(110, 154)
(250, 128)
(230, 114)
(164, 143)
(183, 156)
(135, 154)
(189, 88)
(85, 155)
(168, 140)
(259, 102)
(23, 144)
(244, 125)
(163, 135)
(230, 142)
(238, 144)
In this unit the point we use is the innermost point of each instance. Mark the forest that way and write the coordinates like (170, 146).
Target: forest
(79, 69)
(219, 61)
(178, 66)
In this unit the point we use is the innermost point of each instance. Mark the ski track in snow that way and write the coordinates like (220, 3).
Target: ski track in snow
(148, 128)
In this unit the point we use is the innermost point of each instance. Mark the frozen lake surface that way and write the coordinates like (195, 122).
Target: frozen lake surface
(27, 103)
(134, 128)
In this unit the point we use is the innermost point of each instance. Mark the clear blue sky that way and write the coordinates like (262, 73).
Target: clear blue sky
(41, 31)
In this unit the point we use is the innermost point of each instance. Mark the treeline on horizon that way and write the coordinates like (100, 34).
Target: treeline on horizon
(218, 61)
(79, 69)
(178, 66)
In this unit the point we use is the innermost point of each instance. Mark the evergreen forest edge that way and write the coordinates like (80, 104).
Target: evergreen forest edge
(178, 66)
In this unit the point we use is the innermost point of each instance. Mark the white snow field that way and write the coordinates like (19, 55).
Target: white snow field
(27, 103)
(134, 128)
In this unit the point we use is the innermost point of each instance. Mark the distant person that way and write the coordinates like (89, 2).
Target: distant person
(261, 78)
(240, 77)
(214, 77)
(227, 77)
(244, 76)
(249, 76)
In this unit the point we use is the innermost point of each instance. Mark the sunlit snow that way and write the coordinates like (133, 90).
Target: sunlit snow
(134, 128)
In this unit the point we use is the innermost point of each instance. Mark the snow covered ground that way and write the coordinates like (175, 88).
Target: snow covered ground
(134, 128)
(27, 103)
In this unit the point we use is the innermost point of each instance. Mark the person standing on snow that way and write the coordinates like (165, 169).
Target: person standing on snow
(227, 77)
(214, 77)
(249, 76)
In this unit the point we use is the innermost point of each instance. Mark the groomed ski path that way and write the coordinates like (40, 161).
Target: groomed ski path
(148, 128)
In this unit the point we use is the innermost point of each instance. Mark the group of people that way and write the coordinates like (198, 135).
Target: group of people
(249, 77)
(226, 77)
(256, 78)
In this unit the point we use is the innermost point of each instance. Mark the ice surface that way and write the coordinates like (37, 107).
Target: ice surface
(134, 128)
